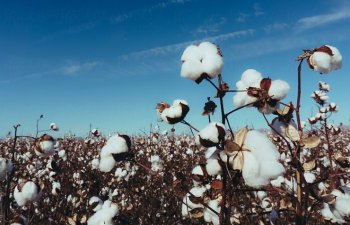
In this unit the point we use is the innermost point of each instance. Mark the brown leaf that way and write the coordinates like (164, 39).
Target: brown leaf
(196, 213)
(292, 133)
(238, 161)
(195, 200)
(216, 184)
(231, 148)
(329, 199)
(311, 142)
(324, 49)
(265, 84)
(310, 165)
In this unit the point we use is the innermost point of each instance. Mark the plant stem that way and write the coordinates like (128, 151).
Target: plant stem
(330, 150)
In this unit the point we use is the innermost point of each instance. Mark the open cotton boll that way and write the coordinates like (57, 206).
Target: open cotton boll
(328, 214)
(280, 126)
(337, 59)
(279, 89)
(30, 191)
(325, 59)
(187, 204)
(341, 207)
(321, 62)
(261, 163)
(107, 163)
(309, 177)
(116, 144)
(250, 78)
(192, 69)
(197, 170)
(213, 167)
(6, 167)
(277, 182)
(105, 215)
(96, 203)
(47, 147)
(95, 163)
(209, 215)
(21, 201)
(203, 59)
(211, 135)
(192, 52)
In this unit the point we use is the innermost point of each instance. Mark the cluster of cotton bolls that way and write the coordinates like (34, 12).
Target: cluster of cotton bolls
(157, 164)
(262, 93)
(201, 61)
(325, 59)
(321, 98)
(172, 114)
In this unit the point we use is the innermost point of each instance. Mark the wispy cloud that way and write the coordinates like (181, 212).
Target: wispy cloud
(167, 49)
(210, 27)
(242, 17)
(275, 27)
(311, 22)
(78, 68)
(138, 12)
(258, 11)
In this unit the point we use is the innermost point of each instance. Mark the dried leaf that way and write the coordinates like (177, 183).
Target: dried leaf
(292, 133)
(329, 199)
(196, 213)
(71, 221)
(240, 136)
(195, 200)
(308, 166)
(311, 142)
(238, 161)
(216, 184)
(261, 222)
(231, 148)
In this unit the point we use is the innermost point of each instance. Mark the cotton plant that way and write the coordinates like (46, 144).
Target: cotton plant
(262, 93)
(6, 167)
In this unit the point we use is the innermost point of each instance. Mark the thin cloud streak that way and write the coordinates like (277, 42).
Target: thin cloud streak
(320, 20)
(168, 49)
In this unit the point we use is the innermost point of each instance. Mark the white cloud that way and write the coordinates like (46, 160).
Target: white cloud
(210, 27)
(76, 68)
(163, 50)
(258, 11)
(242, 17)
(311, 22)
(275, 27)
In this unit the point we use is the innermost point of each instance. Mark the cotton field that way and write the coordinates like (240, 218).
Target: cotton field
(294, 171)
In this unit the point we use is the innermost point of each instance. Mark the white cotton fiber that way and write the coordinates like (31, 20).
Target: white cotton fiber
(197, 60)
(336, 60)
(279, 89)
(197, 170)
(261, 163)
(213, 167)
(210, 132)
(107, 163)
(209, 215)
(104, 215)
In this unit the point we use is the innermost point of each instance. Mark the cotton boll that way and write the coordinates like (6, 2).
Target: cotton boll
(56, 186)
(212, 65)
(96, 202)
(261, 163)
(210, 152)
(309, 177)
(191, 69)
(187, 204)
(30, 191)
(336, 60)
(321, 62)
(21, 201)
(95, 163)
(197, 170)
(192, 52)
(199, 60)
(261, 194)
(6, 167)
(212, 134)
(278, 89)
(250, 171)
(107, 163)
(104, 215)
(116, 144)
(213, 167)
(209, 215)
(251, 78)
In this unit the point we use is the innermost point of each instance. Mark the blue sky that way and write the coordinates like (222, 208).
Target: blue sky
(108, 63)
